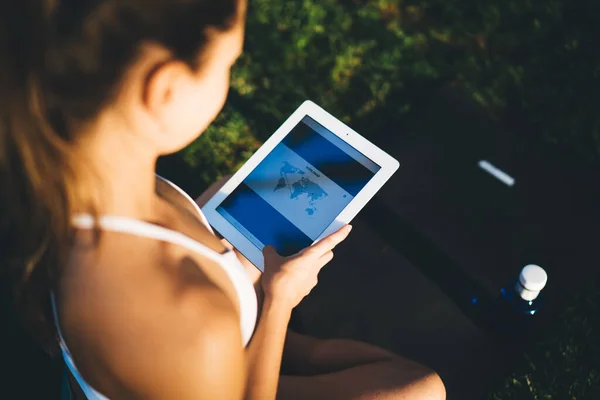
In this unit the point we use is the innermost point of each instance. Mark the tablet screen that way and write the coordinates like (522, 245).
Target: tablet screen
(298, 190)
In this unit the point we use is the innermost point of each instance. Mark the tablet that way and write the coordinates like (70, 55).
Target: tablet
(310, 178)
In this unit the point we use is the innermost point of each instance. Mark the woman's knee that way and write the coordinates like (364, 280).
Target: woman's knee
(427, 385)
(433, 387)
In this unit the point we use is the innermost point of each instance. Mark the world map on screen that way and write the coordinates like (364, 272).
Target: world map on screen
(300, 187)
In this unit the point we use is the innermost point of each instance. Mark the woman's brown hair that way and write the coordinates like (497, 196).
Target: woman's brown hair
(61, 62)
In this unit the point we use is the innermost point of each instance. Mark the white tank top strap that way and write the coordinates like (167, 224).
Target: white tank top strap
(90, 392)
(149, 230)
(189, 199)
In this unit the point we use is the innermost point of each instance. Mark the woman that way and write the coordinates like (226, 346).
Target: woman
(124, 273)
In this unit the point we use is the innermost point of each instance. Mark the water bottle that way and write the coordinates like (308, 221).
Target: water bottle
(523, 296)
(510, 315)
(518, 304)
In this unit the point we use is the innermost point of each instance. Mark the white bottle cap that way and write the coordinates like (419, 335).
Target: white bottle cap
(533, 278)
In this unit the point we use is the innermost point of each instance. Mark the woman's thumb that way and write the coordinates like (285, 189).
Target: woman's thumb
(269, 251)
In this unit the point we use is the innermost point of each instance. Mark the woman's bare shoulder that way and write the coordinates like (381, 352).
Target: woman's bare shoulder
(135, 310)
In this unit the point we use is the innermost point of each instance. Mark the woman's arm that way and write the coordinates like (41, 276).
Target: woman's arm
(286, 281)
(263, 355)
(265, 351)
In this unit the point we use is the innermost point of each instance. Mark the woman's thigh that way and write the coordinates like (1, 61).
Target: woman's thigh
(347, 369)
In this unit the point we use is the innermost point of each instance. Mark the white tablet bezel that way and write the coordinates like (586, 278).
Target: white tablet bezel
(388, 165)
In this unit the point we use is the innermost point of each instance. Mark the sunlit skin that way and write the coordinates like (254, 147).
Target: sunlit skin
(147, 319)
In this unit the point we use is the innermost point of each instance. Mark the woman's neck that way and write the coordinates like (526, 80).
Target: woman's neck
(121, 177)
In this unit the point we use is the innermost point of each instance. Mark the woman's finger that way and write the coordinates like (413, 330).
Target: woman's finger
(326, 258)
(330, 241)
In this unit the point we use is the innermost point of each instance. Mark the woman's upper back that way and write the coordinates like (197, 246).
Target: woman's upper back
(135, 306)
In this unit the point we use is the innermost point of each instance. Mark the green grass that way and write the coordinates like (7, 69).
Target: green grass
(361, 59)
(536, 60)
(565, 362)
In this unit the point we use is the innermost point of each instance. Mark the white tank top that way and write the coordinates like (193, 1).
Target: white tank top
(228, 261)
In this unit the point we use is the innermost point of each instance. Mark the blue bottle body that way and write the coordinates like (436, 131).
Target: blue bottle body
(516, 297)
(509, 316)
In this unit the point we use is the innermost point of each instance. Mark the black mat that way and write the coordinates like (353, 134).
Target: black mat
(442, 231)
(373, 293)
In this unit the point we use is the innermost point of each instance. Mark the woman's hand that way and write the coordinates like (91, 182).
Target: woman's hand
(288, 280)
